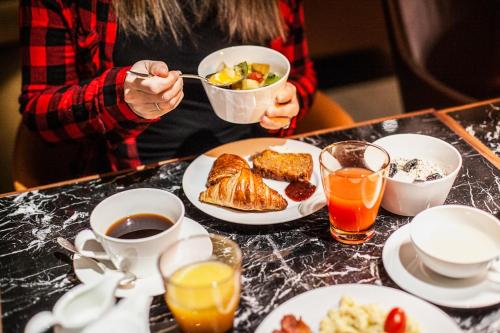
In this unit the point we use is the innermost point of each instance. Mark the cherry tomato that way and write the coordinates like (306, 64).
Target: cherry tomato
(255, 76)
(395, 321)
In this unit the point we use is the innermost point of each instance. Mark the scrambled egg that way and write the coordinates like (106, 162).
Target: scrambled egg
(353, 318)
(225, 76)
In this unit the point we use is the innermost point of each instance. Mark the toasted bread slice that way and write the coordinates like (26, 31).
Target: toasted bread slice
(283, 166)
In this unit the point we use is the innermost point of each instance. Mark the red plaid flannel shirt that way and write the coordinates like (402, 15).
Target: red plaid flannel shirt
(71, 91)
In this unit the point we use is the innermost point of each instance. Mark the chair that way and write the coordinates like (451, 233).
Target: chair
(36, 162)
(445, 52)
(324, 113)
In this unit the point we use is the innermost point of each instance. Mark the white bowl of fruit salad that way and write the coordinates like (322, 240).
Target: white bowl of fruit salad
(421, 173)
(259, 73)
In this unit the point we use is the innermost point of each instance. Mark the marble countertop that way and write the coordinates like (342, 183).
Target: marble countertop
(482, 122)
(280, 261)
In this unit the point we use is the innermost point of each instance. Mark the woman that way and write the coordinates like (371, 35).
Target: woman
(76, 87)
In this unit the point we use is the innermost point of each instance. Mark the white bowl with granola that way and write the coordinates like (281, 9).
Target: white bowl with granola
(421, 174)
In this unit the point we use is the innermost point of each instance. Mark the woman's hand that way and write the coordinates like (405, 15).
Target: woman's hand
(154, 96)
(286, 107)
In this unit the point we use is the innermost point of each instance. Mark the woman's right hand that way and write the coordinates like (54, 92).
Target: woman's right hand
(154, 96)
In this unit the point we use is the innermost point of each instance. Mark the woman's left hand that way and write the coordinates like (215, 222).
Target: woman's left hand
(285, 108)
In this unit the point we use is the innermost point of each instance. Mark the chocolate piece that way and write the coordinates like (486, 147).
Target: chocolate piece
(392, 169)
(434, 176)
(411, 164)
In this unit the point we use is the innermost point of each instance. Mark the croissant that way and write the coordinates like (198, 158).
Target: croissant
(245, 191)
(225, 165)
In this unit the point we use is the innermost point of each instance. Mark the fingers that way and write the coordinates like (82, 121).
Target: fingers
(151, 111)
(171, 103)
(157, 68)
(274, 123)
(155, 84)
(135, 96)
(154, 96)
(286, 94)
(284, 110)
(286, 107)
(174, 90)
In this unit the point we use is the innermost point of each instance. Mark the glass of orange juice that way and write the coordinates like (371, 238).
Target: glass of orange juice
(202, 282)
(353, 176)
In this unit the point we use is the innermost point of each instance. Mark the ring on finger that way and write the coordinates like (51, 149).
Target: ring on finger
(158, 107)
(288, 124)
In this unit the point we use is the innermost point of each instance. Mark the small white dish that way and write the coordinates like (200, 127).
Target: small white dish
(409, 199)
(243, 106)
(312, 307)
(405, 268)
(87, 272)
(456, 241)
(195, 178)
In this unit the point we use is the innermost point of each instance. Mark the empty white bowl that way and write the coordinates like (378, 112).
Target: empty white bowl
(409, 199)
(243, 106)
(456, 241)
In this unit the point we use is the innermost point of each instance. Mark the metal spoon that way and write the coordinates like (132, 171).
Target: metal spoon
(187, 76)
(126, 282)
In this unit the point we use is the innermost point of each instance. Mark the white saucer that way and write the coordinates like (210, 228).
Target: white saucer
(403, 266)
(87, 272)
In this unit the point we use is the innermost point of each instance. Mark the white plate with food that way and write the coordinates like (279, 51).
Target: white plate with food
(405, 268)
(243, 186)
(362, 308)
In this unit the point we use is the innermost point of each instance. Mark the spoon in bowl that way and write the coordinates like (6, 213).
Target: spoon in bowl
(126, 282)
(190, 76)
(284, 121)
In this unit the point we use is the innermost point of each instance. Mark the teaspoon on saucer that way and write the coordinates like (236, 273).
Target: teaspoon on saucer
(126, 282)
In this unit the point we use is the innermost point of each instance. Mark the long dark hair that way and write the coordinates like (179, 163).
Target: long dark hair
(250, 20)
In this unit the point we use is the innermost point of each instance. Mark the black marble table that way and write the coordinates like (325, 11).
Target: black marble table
(483, 123)
(280, 261)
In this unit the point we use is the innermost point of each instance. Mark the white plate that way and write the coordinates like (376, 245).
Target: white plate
(313, 305)
(87, 272)
(196, 175)
(403, 266)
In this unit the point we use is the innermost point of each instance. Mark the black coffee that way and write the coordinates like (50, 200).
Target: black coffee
(139, 226)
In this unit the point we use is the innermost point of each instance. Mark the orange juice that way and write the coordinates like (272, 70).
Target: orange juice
(354, 196)
(204, 296)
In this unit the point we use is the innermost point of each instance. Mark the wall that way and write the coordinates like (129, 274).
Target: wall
(345, 26)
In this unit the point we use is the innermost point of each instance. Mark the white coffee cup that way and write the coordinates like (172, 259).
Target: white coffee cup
(137, 256)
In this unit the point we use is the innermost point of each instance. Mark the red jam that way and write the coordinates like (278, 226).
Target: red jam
(299, 191)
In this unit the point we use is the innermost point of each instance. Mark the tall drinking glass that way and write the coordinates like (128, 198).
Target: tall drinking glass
(353, 173)
(202, 282)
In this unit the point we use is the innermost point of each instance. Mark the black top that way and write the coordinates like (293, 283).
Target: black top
(193, 127)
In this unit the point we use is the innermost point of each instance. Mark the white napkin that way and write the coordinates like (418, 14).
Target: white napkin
(129, 315)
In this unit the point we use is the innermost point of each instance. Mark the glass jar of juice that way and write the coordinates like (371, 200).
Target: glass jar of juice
(202, 287)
